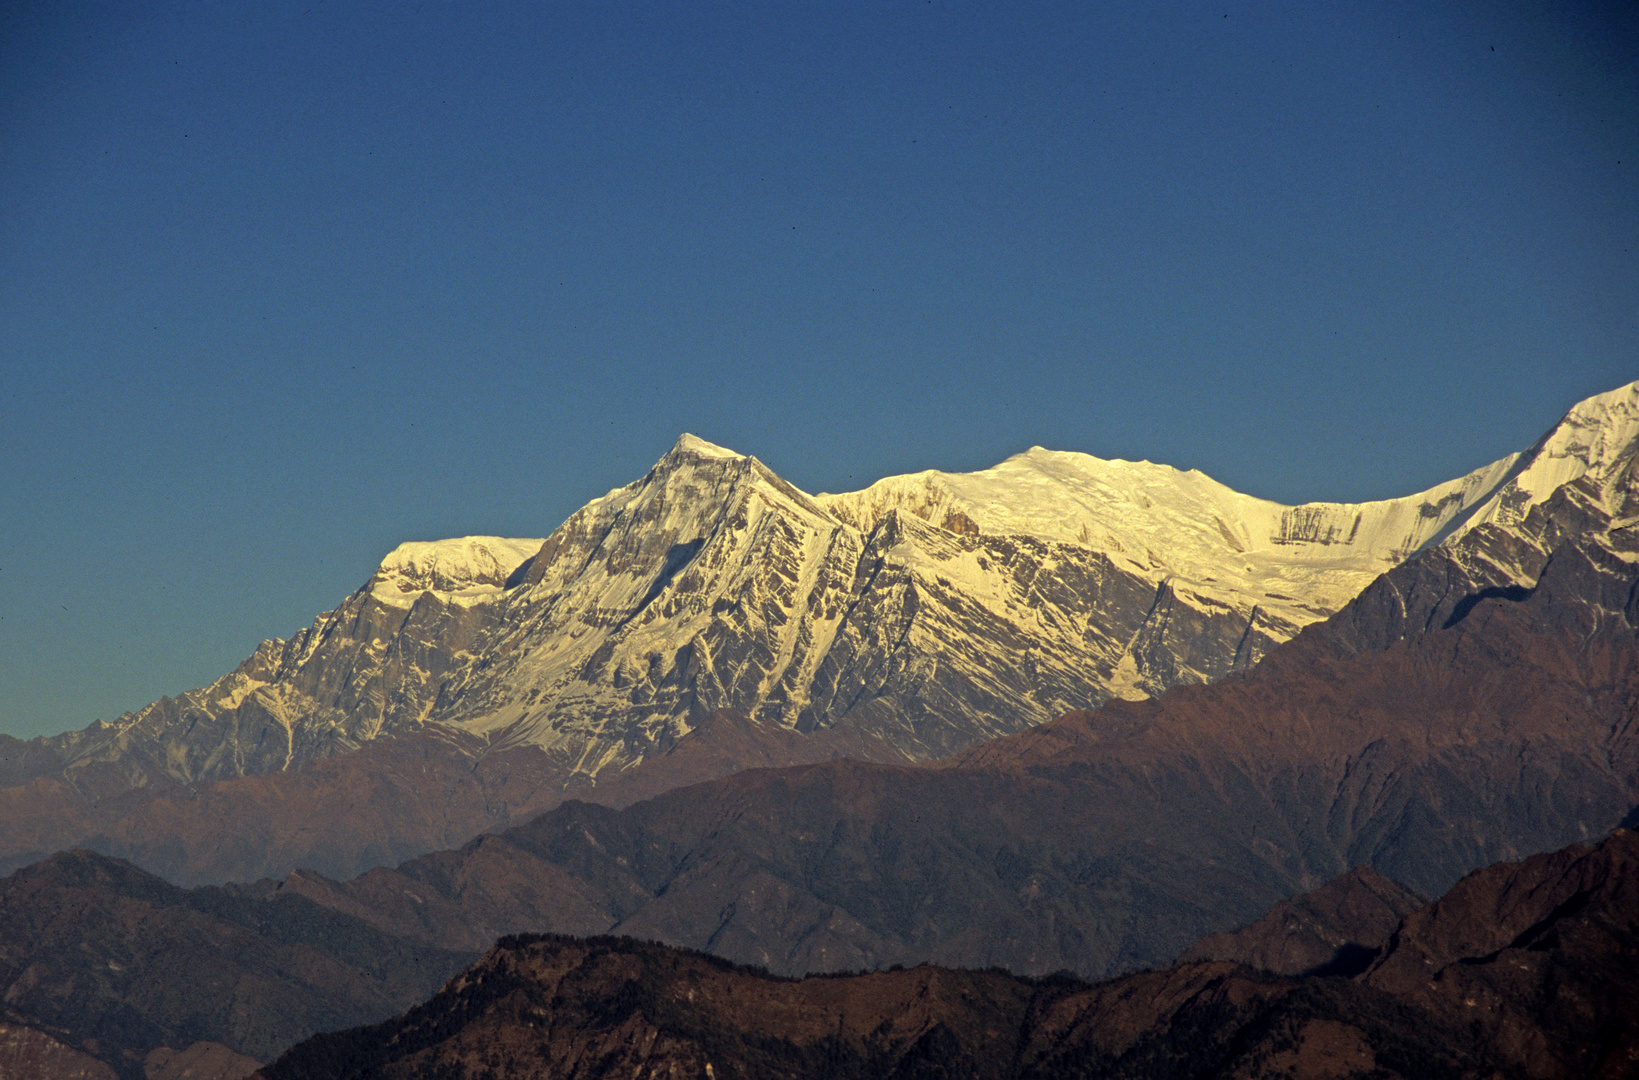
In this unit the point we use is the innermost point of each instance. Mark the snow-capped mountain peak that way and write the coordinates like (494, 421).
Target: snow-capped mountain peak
(466, 567)
(693, 444)
(1297, 563)
(1593, 437)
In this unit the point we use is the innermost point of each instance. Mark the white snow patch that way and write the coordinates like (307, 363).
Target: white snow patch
(466, 569)
(1164, 522)
(1593, 437)
(693, 444)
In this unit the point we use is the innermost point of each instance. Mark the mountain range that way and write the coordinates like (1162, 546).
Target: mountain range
(1060, 716)
(473, 683)
(1445, 719)
(1521, 970)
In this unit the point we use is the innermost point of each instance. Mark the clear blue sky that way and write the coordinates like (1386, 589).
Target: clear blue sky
(284, 284)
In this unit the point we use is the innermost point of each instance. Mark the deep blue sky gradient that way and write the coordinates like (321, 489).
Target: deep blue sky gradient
(284, 284)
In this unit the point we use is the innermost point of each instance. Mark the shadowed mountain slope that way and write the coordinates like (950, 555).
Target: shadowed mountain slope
(388, 801)
(1549, 991)
(1528, 968)
(102, 959)
(1337, 929)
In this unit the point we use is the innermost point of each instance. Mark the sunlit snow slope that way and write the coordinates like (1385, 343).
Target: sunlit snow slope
(1296, 563)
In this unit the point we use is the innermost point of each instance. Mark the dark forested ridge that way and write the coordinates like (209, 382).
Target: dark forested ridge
(114, 962)
(1528, 969)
